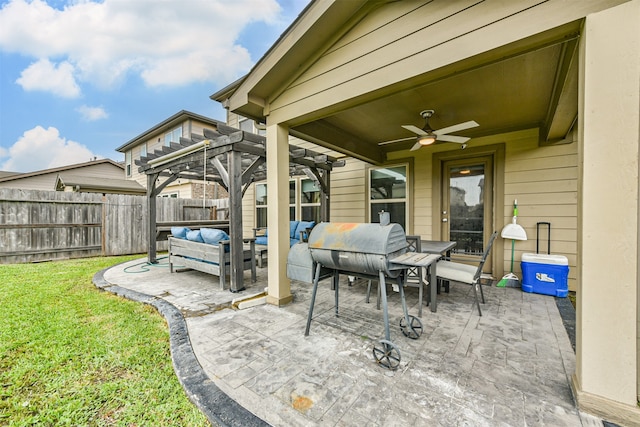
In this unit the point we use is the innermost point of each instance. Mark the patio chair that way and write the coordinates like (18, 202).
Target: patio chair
(464, 273)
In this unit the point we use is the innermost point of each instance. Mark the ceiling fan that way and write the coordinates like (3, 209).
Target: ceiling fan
(427, 135)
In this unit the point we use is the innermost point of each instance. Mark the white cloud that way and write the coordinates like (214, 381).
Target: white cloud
(41, 148)
(92, 113)
(45, 76)
(166, 42)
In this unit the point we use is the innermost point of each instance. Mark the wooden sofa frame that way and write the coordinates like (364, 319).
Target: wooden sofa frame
(208, 258)
(262, 249)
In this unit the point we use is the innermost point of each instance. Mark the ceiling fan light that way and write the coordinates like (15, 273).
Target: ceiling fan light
(427, 139)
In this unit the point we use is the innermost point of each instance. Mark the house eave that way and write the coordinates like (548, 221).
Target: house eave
(302, 41)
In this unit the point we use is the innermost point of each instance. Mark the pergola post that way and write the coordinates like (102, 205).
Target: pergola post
(151, 204)
(325, 207)
(234, 159)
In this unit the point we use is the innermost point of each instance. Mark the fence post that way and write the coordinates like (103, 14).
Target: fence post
(103, 227)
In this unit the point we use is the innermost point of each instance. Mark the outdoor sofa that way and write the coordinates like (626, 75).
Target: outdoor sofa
(208, 250)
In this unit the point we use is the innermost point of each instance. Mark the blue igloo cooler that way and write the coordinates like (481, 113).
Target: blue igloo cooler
(545, 274)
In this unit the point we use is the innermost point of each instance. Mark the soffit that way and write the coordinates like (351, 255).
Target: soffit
(532, 87)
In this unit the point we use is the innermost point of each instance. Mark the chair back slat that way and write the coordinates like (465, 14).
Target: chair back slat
(485, 255)
(413, 245)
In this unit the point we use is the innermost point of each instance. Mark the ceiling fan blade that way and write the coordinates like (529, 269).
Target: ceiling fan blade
(456, 128)
(453, 138)
(414, 129)
(396, 140)
(416, 146)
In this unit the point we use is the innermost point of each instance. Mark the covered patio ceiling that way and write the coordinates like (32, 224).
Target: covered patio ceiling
(531, 83)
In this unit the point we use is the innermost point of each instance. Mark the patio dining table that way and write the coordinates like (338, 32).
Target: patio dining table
(435, 247)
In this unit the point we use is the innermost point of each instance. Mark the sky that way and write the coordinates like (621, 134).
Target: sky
(79, 78)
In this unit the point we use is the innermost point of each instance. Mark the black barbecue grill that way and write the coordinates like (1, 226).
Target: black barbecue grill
(374, 252)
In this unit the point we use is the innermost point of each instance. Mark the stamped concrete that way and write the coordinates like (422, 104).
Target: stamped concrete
(510, 367)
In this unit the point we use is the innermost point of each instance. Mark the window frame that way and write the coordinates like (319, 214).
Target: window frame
(295, 205)
(371, 202)
(301, 204)
(175, 132)
(127, 163)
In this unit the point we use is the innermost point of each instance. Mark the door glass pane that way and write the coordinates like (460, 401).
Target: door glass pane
(466, 200)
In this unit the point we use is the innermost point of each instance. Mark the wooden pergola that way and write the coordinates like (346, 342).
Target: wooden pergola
(234, 159)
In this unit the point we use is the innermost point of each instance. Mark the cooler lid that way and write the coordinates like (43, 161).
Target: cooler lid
(545, 259)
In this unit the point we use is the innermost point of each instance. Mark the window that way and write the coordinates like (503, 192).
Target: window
(261, 205)
(309, 200)
(292, 200)
(127, 162)
(172, 136)
(169, 195)
(143, 150)
(388, 192)
(304, 201)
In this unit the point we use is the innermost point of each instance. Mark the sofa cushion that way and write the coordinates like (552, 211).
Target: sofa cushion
(261, 240)
(194, 236)
(180, 232)
(213, 236)
(303, 225)
(293, 225)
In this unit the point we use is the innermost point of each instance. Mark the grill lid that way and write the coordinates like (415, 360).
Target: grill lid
(358, 237)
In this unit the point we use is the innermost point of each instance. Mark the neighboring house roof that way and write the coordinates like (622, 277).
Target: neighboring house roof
(15, 176)
(5, 174)
(177, 118)
(45, 179)
(90, 184)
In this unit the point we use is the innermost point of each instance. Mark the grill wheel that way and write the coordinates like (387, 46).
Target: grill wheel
(413, 330)
(387, 355)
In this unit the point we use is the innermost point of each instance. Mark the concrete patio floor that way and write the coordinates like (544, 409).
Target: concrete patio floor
(510, 367)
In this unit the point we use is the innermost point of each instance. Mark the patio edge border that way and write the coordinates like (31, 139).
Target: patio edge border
(216, 405)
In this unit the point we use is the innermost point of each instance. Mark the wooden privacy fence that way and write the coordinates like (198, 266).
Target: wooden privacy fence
(44, 225)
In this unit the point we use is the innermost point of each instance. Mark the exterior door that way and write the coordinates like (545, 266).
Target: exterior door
(467, 203)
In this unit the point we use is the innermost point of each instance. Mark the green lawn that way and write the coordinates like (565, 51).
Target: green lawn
(73, 355)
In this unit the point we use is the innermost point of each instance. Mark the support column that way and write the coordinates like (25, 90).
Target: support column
(606, 377)
(278, 213)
